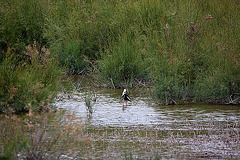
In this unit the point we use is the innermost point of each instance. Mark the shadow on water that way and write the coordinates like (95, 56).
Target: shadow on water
(193, 129)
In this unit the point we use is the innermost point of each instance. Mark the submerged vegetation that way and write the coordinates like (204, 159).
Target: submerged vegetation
(204, 141)
(187, 50)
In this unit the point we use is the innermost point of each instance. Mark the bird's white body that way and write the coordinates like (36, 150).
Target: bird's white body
(124, 92)
(125, 96)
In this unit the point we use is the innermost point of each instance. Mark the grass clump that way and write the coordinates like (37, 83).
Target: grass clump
(192, 60)
(89, 105)
(218, 87)
(71, 57)
(122, 64)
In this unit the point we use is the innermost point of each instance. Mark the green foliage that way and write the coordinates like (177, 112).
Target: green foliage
(218, 86)
(28, 84)
(122, 63)
(170, 85)
(195, 62)
(72, 34)
(21, 22)
(71, 57)
(178, 40)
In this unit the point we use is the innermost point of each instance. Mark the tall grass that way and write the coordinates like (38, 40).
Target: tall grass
(21, 22)
(122, 63)
(179, 46)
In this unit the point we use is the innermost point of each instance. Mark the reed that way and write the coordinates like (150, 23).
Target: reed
(89, 105)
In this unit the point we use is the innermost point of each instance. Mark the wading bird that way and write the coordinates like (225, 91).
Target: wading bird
(125, 96)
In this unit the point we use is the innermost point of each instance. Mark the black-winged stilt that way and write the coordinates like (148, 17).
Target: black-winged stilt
(125, 96)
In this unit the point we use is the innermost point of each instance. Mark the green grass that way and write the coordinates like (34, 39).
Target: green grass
(176, 45)
(122, 64)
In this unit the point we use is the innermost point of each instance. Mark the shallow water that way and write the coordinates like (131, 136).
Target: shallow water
(110, 110)
(143, 128)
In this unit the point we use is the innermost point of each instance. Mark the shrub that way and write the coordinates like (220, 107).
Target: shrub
(171, 80)
(73, 34)
(21, 22)
(48, 135)
(28, 84)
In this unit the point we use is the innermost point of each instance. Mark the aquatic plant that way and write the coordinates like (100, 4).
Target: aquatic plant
(89, 105)
(193, 140)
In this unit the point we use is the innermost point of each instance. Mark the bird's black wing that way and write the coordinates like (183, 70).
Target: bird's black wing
(127, 97)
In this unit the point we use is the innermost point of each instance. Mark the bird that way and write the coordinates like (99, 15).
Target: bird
(125, 96)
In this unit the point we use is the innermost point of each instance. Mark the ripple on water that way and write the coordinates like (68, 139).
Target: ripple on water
(197, 131)
(109, 111)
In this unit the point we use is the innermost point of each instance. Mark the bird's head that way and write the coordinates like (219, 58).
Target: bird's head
(124, 91)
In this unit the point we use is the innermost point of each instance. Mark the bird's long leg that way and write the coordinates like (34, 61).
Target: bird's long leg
(126, 103)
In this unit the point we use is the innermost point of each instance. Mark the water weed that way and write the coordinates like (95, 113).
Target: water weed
(89, 105)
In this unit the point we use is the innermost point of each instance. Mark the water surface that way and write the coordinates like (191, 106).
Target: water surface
(144, 128)
(110, 110)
